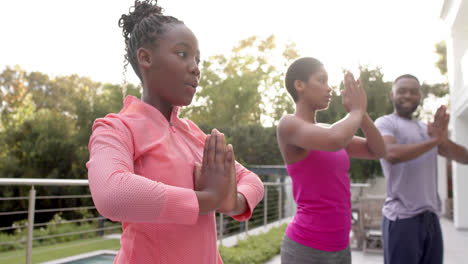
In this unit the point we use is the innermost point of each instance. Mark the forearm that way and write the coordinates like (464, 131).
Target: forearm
(453, 151)
(250, 192)
(115, 198)
(343, 131)
(241, 206)
(121, 195)
(207, 202)
(375, 142)
(397, 153)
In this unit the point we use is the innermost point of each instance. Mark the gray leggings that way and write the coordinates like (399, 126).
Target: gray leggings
(295, 253)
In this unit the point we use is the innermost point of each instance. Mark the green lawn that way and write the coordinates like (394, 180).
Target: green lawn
(255, 249)
(62, 250)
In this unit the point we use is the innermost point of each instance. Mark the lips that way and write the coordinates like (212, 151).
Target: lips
(407, 104)
(194, 84)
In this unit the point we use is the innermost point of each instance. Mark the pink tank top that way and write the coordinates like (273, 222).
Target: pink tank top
(321, 189)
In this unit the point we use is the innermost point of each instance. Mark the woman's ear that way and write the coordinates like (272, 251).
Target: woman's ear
(299, 85)
(144, 57)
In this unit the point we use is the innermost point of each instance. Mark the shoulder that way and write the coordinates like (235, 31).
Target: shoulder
(386, 120)
(112, 122)
(287, 123)
(290, 120)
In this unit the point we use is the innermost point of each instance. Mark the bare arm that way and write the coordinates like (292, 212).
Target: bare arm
(397, 153)
(294, 131)
(438, 132)
(297, 132)
(453, 151)
(370, 147)
(447, 148)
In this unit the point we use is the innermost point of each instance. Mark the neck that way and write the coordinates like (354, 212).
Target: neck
(156, 101)
(408, 116)
(305, 112)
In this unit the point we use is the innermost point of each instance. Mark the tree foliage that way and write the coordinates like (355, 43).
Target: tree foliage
(46, 121)
(243, 88)
(45, 127)
(378, 104)
(441, 63)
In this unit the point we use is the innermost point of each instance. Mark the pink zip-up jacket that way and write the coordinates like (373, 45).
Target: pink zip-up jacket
(140, 172)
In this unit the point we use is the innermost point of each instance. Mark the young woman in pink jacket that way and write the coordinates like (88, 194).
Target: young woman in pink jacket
(160, 175)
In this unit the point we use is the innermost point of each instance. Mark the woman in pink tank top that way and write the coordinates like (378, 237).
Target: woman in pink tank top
(316, 158)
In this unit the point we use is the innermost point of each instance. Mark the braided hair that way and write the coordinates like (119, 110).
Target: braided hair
(143, 27)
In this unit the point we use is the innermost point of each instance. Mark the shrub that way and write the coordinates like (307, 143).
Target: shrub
(255, 249)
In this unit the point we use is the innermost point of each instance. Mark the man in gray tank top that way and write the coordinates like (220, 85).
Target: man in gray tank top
(411, 228)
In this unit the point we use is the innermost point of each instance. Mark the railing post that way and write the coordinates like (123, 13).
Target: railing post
(221, 228)
(247, 227)
(280, 202)
(100, 226)
(265, 206)
(31, 211)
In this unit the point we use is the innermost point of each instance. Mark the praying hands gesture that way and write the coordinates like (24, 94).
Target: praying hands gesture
(439, 128)
(353, 96)
(216, 177)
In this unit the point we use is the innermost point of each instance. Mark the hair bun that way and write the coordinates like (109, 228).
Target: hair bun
(137, 13)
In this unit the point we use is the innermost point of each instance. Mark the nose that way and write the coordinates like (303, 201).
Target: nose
(407, 94)
(194, 69)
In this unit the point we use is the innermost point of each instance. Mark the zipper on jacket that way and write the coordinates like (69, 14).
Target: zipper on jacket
(171, 126)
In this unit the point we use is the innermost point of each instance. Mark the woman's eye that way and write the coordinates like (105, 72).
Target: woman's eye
(181, 53)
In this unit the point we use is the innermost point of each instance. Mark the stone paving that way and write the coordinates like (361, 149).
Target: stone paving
(455, 248)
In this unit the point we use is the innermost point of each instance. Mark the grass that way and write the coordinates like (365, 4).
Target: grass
(62, 250)
(255, 249)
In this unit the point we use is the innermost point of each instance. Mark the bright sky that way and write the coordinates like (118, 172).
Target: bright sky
(61, 37)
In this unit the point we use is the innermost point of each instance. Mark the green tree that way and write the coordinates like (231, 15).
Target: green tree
(13, 92)
(46, 124)
(441, 64)
(242, 88)
(378, 104)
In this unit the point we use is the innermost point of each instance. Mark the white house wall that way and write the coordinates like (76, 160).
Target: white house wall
(455, 14)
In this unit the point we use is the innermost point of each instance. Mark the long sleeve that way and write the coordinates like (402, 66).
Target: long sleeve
(121, 195)
(248, 183)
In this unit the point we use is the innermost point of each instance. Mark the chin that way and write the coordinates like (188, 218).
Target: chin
(325, 107)
(185, 102)
(406, 111)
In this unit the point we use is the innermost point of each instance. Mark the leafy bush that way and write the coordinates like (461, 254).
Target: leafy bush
(255, 249)
(56, 226)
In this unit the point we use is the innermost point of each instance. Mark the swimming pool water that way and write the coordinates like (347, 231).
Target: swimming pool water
(99, 259)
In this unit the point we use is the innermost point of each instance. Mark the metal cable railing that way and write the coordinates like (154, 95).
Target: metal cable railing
(269, 210)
